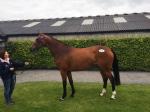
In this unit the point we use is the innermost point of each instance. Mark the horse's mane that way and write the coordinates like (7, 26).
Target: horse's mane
(56, 40)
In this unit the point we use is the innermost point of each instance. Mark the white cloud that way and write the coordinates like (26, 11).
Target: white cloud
(35, 9)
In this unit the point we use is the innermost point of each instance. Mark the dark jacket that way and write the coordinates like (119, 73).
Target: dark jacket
(5, 71)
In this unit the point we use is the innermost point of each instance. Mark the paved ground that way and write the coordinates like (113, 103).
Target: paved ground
(80, 76)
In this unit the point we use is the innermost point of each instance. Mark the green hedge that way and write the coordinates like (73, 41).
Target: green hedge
(133, 53)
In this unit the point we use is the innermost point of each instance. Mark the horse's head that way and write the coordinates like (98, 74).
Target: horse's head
(39, 42)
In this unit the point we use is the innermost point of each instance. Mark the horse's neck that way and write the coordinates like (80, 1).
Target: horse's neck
(57, 48)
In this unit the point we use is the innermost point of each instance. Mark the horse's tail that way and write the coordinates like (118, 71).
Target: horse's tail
(115, 68)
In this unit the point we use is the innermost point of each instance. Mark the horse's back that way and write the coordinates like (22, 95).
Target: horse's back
(83, 58)
(91, 53)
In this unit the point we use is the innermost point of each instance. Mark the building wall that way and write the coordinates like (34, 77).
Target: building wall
(88, 36)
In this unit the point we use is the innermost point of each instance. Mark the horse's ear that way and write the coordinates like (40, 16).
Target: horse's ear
(41, 34)
(50, 36)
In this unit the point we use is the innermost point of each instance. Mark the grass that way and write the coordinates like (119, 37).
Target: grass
(43, 97)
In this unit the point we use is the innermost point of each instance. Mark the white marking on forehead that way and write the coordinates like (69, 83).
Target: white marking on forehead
(101, 50)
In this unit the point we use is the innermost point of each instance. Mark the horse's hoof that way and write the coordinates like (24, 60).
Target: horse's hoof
(113, 98)
(102, 94)
(61, 99)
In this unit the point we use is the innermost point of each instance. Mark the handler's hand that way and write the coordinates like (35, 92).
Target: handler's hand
(26, 63)
(11, 69)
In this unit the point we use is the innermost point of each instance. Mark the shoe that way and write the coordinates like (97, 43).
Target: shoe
(10, 103)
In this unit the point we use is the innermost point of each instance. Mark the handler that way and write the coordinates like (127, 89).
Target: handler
(8, 76)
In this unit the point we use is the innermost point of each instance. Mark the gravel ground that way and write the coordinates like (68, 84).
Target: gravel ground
(80, 76)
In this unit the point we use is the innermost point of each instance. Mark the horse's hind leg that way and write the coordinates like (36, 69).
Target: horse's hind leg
(105, 78)
(112, 80)
(64, 81)
(71, 83)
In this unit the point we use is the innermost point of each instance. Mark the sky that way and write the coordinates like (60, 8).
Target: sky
(44, 9)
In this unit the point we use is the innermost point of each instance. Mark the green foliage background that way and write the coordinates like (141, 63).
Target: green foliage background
(133, 53)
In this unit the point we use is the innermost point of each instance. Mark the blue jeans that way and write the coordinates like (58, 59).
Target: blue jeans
(9, 85)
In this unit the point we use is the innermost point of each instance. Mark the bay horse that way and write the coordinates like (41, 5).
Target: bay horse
(70, 59)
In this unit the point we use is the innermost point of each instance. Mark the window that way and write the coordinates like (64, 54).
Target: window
(148, 16)
(87, 22)
(31, 24)
(58, 23)
(119, 20)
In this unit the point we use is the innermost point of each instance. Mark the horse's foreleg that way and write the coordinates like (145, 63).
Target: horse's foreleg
(71, 83)
(112, 80)
(64, 81)
(105, 78)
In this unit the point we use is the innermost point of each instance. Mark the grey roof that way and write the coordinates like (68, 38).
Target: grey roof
(101, 24)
